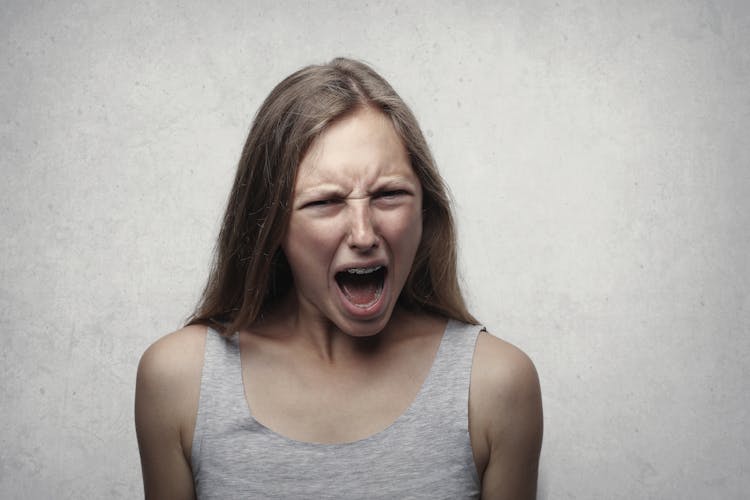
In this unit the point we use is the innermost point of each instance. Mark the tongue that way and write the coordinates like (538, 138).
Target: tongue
(360, 291)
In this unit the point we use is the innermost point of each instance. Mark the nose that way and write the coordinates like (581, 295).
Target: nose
(362, 231)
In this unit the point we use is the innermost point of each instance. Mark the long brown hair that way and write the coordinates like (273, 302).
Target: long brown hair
(250, 272)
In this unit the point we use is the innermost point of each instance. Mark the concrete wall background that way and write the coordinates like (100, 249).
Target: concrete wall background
(597, 151)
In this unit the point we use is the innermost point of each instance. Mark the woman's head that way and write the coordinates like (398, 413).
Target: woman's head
(250, 271)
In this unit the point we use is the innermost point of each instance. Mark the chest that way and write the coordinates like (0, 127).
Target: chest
(313, 402)
(424, 451)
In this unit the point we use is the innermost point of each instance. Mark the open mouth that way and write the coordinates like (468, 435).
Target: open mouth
(362, 286)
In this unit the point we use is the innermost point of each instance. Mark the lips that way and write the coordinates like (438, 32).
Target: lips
(362, 287)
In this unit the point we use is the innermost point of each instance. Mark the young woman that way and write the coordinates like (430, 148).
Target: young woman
(332, 355)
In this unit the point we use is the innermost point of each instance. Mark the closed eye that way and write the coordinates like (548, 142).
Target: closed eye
(392, 194)
(322, 203)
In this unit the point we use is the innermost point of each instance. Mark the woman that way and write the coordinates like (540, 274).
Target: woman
(332, 355)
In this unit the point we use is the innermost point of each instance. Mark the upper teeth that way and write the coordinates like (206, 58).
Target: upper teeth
(363, 270)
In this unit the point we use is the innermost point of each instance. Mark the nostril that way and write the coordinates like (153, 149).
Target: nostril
(363, 242)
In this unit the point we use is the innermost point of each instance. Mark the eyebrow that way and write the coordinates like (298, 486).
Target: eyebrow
(320, 190)
(327, 189)
(394, 179)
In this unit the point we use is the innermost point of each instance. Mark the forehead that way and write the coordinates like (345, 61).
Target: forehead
(358, 148)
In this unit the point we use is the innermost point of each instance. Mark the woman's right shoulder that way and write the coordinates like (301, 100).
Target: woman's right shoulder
(175, 355)
(169, 373)
(168, 388)
(166, 402)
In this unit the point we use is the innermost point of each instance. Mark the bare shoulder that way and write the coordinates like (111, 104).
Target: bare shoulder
(173, 356)
(505, 409)
(173, 364)
(502, 371)
(168, 382)
(166, 404)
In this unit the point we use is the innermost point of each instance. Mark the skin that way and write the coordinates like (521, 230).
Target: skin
(305, 367)
(357, 203)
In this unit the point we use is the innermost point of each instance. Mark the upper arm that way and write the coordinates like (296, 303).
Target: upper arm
(505, 419)
(166, 403)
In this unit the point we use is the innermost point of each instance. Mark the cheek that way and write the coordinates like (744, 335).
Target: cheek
(405, 228)
(305, 234)
(308, 244)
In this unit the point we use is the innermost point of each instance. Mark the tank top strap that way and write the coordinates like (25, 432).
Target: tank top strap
(458, 344)
(221, 392)
(447, 385)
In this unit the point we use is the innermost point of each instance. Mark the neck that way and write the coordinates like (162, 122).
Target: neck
(301, 325)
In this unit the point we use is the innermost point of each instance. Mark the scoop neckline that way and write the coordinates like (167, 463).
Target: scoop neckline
(378, 435)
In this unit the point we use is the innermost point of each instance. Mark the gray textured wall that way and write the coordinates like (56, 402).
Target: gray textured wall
(597, 151)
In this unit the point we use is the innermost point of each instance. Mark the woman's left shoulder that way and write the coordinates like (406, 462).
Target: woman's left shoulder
(505, 408)
(502, 370)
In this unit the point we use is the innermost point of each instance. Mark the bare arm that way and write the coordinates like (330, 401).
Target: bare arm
(506, 420)
(166, 402)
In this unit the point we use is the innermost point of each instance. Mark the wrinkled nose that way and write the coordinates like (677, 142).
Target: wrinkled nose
(362, 232)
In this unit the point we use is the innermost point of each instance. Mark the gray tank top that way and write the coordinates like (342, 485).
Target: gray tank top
(424, 454)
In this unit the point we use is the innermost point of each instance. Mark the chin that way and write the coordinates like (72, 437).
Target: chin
(365, 327)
